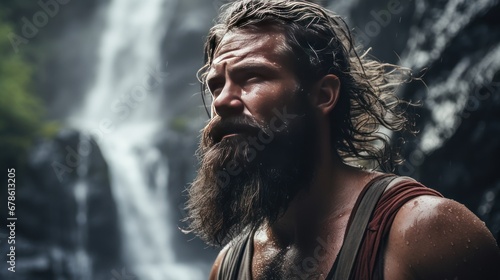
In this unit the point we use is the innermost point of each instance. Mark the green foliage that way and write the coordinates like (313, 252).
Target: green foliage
(20, 111)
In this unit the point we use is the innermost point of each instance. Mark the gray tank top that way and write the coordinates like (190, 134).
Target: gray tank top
(237, 261)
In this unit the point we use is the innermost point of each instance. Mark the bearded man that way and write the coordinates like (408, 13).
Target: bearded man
(294, 103)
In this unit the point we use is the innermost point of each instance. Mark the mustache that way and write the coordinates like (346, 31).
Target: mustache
(217, 128)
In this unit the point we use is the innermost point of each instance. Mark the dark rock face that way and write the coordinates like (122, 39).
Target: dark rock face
(56, 228)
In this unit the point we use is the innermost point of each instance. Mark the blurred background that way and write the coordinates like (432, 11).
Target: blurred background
(100, 112)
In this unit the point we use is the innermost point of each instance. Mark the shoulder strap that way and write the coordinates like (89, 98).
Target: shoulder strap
(355, 233)
(233, 265)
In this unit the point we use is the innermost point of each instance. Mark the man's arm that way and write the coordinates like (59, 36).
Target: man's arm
(218, 261)
(437, 238)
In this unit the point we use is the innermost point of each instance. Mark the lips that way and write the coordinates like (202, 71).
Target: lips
(220, 128)
(222, 132)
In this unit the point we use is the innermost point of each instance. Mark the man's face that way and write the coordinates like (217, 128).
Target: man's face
(251, 75)
(257, 151)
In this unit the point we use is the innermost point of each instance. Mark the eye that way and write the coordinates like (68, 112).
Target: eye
(215, 86)
(215, 91)
(253, 77)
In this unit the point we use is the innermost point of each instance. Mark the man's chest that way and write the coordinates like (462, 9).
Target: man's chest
(313, 262)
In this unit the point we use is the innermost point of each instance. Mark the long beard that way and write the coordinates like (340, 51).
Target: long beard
(249, 178)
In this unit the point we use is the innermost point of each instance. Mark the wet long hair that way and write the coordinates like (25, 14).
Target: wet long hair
(319, 42)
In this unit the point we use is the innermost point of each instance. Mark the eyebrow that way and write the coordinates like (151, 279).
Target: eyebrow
(255, 66)
(262, 67)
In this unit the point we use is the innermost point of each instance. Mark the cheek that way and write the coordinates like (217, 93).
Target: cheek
(269, 100)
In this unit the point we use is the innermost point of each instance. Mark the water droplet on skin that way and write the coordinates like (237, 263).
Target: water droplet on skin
(452, 243)
(468, 240)
(449, 210)
(407, 242)
(428, 235)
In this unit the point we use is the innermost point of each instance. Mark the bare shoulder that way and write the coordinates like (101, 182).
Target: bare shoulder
(438, 238)
(217, 263)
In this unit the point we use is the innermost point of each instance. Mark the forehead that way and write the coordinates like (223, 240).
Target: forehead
(245, 45)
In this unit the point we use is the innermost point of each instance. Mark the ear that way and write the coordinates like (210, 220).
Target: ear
(327, 94)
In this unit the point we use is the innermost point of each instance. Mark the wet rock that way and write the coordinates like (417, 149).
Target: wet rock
(55, 228)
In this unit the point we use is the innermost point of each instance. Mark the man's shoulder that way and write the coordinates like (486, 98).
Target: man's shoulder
(436, 238)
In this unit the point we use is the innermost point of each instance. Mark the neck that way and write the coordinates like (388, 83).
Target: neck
(327, 200)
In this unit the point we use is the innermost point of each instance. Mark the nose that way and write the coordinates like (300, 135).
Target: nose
(228, 102)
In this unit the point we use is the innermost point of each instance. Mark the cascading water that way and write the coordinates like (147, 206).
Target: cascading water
(121, 111)
(82, 268)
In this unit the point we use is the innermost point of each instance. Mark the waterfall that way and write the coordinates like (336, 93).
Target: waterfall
(82, 268)
(121, 112)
